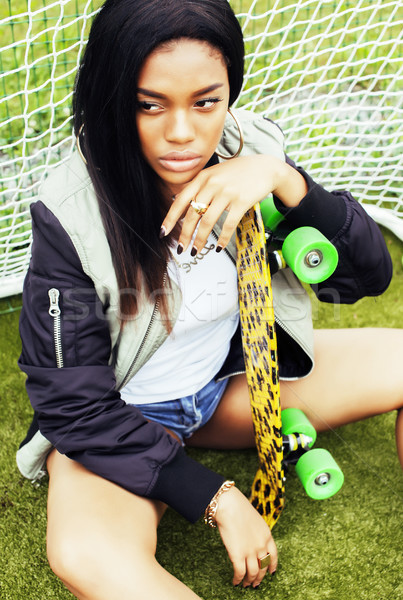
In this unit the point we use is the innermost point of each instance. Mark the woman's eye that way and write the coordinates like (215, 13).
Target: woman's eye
(207, 103)
(148, 106)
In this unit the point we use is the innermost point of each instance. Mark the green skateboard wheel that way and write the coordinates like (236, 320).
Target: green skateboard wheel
(294, 420)
(319, 474)
(270, 215)
(310, 255)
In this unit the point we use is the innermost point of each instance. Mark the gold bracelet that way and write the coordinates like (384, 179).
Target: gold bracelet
(210, 512)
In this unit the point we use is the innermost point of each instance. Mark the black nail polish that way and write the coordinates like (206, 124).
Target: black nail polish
(179, 249)
(193, 252)
(218, 248)
(273, 574)
(162, 232)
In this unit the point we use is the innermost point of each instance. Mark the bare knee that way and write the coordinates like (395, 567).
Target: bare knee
(95, 571)
(68, 560)
(98, 533)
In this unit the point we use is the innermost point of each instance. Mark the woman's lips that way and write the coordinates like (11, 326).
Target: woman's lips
(180, 162)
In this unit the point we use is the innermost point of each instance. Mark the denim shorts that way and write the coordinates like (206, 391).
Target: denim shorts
(185, 415)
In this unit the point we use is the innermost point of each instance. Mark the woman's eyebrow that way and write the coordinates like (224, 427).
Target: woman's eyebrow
(206, 90)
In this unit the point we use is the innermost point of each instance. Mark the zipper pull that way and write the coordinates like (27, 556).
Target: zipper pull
(54, 309)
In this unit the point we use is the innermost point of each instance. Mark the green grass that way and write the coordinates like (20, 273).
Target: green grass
(346, 548)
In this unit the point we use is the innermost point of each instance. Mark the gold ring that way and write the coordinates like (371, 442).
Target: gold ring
(199, 207)
(264, 561)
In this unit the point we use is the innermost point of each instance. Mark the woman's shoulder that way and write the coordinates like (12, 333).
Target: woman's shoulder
(69, 194)
(68, 207)
(65, 181)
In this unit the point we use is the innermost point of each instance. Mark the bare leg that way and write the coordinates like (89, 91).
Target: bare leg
(102, 539)
(358, 374)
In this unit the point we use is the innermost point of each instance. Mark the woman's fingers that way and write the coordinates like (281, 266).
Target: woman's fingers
(239, 567)
(254, 575)
(204, 221)
(248, 572)
(234, 186)
(272, 548)
(189, 225)
(181, 204)
(230, 224)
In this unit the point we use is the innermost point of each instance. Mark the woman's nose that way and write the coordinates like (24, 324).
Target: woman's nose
(180, 128)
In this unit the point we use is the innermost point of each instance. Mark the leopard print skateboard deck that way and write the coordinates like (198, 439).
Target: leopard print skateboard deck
(260, 354)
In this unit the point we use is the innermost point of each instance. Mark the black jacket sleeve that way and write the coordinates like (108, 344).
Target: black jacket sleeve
(77, 406)
(365, 266)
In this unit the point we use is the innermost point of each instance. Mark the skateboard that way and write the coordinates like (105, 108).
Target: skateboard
(275, 441)
(260, 354)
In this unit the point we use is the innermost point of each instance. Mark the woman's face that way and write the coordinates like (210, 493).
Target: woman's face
(182, 100)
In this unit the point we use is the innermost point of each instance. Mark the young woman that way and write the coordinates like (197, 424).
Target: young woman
(130, 322)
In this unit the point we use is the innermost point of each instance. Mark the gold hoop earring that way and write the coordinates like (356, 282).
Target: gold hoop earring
(79, 145)
(238, 152)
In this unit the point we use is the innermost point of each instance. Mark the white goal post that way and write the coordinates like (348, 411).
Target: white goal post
(329, 72)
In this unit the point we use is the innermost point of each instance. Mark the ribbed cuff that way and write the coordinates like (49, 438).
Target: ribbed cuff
(318, 208)
(186, 486)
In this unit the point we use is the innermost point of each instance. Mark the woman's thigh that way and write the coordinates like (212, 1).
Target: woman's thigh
(357, 374)
(102, 539)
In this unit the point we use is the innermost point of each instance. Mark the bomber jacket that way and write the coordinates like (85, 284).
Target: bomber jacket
(77, 359)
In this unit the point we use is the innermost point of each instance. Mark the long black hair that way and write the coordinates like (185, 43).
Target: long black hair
(122, 36)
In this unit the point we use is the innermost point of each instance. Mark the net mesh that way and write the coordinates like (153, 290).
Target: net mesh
(328, 72)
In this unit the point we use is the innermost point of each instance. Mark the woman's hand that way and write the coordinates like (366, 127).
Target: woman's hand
(233, 186)
(246, 537)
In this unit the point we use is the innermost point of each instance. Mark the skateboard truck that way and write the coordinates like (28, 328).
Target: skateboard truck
(317, 470)
(296, 443)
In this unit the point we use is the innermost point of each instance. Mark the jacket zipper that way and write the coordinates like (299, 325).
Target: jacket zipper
(54, 311)
(156, 306)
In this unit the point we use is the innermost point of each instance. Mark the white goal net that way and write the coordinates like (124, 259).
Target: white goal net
(329, 72)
